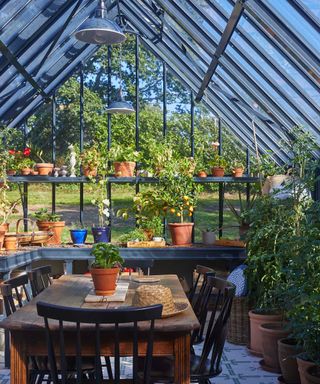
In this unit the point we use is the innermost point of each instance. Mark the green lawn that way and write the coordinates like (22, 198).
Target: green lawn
(67, 203)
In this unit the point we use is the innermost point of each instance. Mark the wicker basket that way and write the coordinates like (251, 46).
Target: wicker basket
(238, 325)
(33, 237)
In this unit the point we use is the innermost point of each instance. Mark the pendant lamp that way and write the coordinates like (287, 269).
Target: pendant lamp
(120, 105)
(99, 29)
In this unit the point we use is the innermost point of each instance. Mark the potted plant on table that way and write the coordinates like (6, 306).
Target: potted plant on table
(237, 168)
(78, 234)
(179, 196)
(209, 236)
(124, 160)
(218, 165)
(105, 268)
(50, 222)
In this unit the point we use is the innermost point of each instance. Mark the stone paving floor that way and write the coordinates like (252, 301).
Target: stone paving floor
(238, 367)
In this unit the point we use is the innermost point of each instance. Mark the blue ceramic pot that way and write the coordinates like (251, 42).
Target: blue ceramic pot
(78, 236)
(101, 234)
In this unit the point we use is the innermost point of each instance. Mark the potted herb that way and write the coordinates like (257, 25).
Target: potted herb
(105, 268)
(90, 160)
(237, 168)
(25, 166)
(218, 165)
(78, 234)
(136, 234)
(50, 222)
(208, 236)
(124, 160)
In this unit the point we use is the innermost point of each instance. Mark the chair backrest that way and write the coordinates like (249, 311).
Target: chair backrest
(132, 315)
(14, 289)
(145, 265)
(40, 279)
(219, 293)
(202, 273)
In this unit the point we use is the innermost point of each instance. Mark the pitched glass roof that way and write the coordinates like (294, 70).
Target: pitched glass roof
(269, 72)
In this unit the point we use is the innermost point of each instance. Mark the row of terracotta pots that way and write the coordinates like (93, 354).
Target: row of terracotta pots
(41, 169)
(268, 338)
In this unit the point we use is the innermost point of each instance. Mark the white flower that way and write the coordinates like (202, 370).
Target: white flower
(106, 212)
(106, 202)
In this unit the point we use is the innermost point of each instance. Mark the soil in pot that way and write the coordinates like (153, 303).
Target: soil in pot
(303, 365)
(181, 233)
(271, 333)
(256, 319)
(104, 280)
(313, 375)
(217, 172)
(124, 168)
(44, 169)
(288, 350)
(52, 226)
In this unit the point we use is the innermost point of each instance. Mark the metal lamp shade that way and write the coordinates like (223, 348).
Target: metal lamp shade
(100, 31)
(120, 106)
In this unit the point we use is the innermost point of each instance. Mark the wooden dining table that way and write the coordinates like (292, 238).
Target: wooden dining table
(172, 334)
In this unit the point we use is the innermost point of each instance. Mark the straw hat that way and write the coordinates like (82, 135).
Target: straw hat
(158, 294)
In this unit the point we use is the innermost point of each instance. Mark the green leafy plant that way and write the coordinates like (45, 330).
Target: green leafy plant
(123, 153)
(90, 158)
(43, 215)
(154, 226)
(218, 161)
(25, 162)
(100, 200)
(237, 164)
(135, 234)
(106, 255)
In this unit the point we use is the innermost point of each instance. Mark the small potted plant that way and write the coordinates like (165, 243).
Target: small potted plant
(124, 160)
(90, 160)
(136, 234)
(25, 166)
(105, 268)
(237, 168)
(101, 233)
(50, 222)
(218, 165)
(43, 168)
(78, 234)
(208, 236)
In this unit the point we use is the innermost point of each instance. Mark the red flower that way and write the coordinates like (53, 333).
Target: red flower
(12, 151)
(27, 151)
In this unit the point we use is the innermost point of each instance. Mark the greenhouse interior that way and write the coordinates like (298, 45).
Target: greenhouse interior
(159, 165)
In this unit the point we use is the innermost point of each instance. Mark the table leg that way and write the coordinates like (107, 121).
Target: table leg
(18, 356)
(182, 359)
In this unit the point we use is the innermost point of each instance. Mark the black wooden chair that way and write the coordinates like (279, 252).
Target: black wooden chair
(220, 294)
(145, 265)
(197, 298)
(98, 317)
(40, 279)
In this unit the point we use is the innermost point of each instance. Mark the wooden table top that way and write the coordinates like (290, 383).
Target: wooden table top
(71, 290)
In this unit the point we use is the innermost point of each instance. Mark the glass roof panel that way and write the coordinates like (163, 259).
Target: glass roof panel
(313, 6)
(296, 22)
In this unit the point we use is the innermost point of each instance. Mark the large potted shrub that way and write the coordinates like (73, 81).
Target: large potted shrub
(124, 160)
(50, 222)
(105, 268)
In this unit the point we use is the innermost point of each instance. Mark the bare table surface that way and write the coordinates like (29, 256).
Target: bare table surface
(71, 290)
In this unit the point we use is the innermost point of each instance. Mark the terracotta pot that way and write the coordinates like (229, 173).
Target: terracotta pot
(237, 172)
(44, 169)
(303, 365)
(53, 226)
(25, 171)
(11, 172)
(217, 172)
(313, 375)
(287, 351)
(10, 243)
(2, 233)
(4, 227)
(104, 280)
(271, 333)
(256, 319)
(124, 168)
(87, 171)
(34, 173)
(181, 233)
(202, 174)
